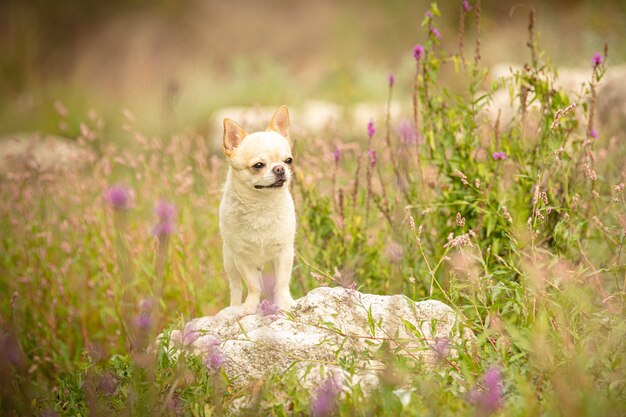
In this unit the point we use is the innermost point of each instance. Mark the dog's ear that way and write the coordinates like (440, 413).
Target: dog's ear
(233, 135)
(280, 121)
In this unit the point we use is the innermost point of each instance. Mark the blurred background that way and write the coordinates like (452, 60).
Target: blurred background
(183, 60)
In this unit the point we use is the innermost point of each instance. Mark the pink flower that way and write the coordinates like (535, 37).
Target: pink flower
(371, 129)
(163, 230)
(435, 33)
(407, 133)
(10, 350)
(466, 6)
(593, 133)
(108, 383)
(392, 79)
(429, 14)
(418, 51)
(215, 359)
(337, 155)
(442, 347)
(371, 155)
(119, 196)
(190, 335)
(499, 156)
(325, 399)
(267, 308)
(489, 398)
(597, 60)
(166, 212)
(143, 321)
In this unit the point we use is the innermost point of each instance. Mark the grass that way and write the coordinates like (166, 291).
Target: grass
(526, 245)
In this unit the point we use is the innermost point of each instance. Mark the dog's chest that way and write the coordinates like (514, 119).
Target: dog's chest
(260, 232)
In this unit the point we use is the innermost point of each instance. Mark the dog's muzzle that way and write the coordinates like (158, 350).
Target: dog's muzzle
(279, 183)
(279, 171)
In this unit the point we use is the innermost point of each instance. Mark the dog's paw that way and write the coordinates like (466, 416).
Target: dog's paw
(248, 308)
(284, 303)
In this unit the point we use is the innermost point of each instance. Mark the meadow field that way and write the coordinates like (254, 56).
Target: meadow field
(518, 225)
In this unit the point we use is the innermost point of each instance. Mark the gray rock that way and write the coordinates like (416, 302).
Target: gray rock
(324, 326)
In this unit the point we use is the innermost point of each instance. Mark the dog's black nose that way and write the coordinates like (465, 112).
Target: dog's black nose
(279, 170)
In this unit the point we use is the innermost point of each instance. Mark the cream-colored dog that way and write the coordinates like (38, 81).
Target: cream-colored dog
(257, 215)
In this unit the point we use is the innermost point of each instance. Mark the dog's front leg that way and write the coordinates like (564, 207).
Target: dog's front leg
(234, 278)
(252, 276)
(282, 269)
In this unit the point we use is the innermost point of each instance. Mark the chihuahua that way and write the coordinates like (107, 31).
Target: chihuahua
(257, 215)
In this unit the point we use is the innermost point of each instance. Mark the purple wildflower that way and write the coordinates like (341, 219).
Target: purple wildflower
(119, 196)
(429, 14)
(593, 133)
(189, 335)
(166, 212)
(143, 321)
(211, 341)
(215, 359)
(499, 156)
(108, 383)
(163, 229)
(392, 79)
(337, 155)
(435, 33)
(175, 404)
(597, 60)
(489, 399)
(10, 350)
(267, 308)
(407, 133)
(466, 6)
(441, 347)
(325, 399)
(371, 129)
(418, 51)
(371, 155)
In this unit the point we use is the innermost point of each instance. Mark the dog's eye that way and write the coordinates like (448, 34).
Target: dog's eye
(258, 165)
(288, 161)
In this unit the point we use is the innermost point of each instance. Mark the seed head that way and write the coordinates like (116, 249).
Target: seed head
(460, 220)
